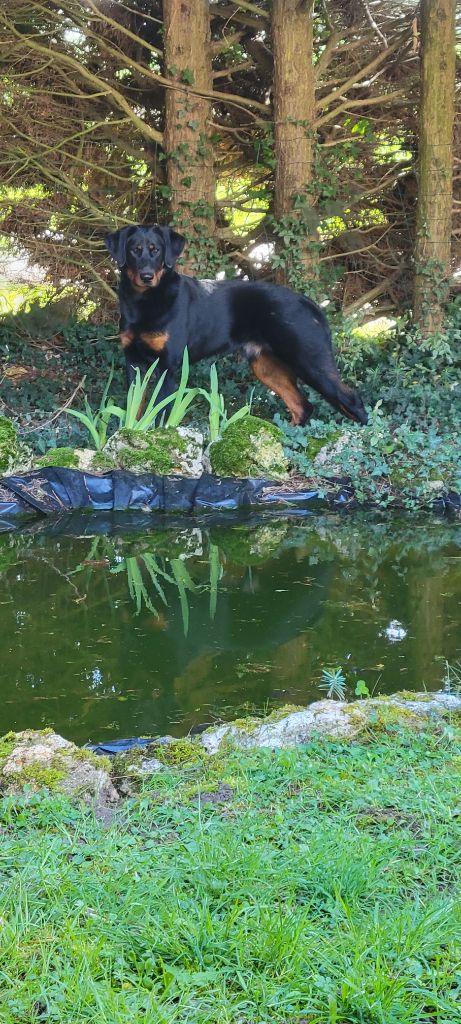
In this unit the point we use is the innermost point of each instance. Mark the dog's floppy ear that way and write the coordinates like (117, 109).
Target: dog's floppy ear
(174, 245)
(116, 244)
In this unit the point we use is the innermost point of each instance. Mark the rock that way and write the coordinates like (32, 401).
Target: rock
(9, 444)
(46, 759)
(327, 455)
(164, 450)
(84, 459)
(315, 445)
(250, 447)
(146, 767)
(329, 718)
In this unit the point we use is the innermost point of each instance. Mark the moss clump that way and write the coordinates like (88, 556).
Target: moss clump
(315, 444)
(7, 744)
(37, 775)
(252, 723)
(9, 445)
(62, 457)
(389, 716)
(179, 753)
(251, 447)
(88, 756)
(154, 451)
(102, 462)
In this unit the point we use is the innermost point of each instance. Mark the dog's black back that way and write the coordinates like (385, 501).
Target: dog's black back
(284, 335)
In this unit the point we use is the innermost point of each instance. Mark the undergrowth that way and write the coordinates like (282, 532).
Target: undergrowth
(410, 386)
(318, 885)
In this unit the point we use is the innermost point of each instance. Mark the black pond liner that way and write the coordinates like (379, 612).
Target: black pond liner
(54, 490)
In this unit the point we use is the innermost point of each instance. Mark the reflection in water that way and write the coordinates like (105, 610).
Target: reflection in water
(159, 630)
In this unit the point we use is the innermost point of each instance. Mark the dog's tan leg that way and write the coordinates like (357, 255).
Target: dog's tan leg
(280, 379)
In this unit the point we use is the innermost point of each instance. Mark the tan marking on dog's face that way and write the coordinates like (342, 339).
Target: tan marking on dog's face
(279, 378)
(155, 340)
(126, 337)
(139, 285)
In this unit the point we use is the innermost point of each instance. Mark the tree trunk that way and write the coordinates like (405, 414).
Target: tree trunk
(435, 195)
(294, 108)
(190, 171)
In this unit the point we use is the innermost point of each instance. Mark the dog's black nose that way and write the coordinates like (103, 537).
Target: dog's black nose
(146, 278)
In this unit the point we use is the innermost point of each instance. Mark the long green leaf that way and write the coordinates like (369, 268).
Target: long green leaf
(239, 415)
(88, 424)
(182, 387)
(180, 408)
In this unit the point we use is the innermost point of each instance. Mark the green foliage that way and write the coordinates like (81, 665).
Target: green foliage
(44, 360)
(411, 441)
(218, 419)
(8, 443)
(97, 423)
(384, 464)
(183, 397)
(134, 417)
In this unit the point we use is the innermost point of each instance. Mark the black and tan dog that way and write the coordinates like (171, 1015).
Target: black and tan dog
(284, 335)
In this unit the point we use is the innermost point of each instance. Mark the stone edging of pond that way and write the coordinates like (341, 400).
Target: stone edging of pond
(45, 760)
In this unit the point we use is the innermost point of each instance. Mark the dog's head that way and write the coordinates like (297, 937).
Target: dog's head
(146, 252)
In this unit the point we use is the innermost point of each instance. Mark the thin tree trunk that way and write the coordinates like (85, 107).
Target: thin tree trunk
(294, 111)
(435, 195)
(190, 172)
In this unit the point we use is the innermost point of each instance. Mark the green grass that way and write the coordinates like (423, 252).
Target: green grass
(323, 887)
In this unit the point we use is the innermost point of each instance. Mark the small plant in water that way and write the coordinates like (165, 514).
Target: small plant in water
(334, 683)
(361, 689)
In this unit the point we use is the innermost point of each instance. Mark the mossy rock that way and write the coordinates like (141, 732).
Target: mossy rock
(250, 447)
(315, 444)
(45, 759)
(250, 545)
(336, 450)
(61, 457)
(102, 463)
(9, 444)
(164, 451)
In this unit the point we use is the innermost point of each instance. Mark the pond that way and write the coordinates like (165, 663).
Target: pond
(116, 628)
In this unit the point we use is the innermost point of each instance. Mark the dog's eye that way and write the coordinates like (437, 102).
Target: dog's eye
(152, 249)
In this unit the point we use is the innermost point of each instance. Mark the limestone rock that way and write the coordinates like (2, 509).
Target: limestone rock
(163, 450)
(327, 717)
(47, 759)
(331, 719)
(327, 455)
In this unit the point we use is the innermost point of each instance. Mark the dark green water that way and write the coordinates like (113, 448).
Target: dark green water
(159, 630)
